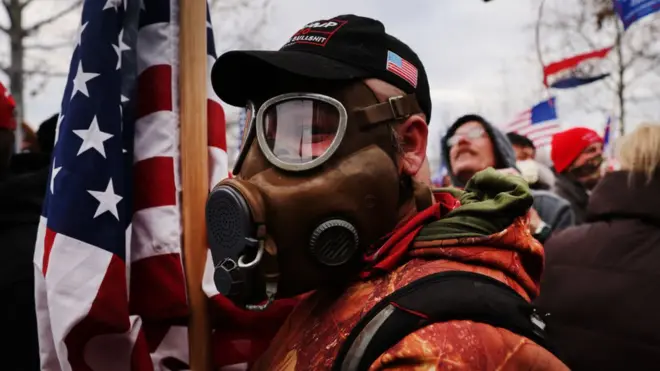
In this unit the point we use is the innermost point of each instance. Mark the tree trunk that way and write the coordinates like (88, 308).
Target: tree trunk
(621, 85)
(16, 67)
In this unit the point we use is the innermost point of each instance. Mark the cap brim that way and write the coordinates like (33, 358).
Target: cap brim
(238, 75)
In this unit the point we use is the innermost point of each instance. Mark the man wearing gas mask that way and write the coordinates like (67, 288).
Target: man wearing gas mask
(324, 202)
(577, 156)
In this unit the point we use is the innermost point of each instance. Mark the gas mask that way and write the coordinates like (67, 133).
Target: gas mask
(317, 183)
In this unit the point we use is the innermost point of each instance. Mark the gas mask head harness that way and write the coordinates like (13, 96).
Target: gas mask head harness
(319, 185)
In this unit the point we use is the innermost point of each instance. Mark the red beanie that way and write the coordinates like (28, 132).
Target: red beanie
(567, 146)
(7, 105)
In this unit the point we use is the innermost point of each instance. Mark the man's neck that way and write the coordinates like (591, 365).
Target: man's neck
(464, 178)
(406, 211)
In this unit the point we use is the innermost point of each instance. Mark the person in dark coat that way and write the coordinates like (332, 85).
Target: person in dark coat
(601, 283)
(21, 199)
(479, 145)
(37, 156)
(577, 155)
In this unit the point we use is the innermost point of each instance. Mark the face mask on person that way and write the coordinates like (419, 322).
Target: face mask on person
(589, 172)
(317, 187)
(529, 170)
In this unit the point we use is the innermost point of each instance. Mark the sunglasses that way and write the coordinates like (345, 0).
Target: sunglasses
(469, 135)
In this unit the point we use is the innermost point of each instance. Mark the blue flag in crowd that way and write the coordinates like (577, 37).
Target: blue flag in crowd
(630, 11)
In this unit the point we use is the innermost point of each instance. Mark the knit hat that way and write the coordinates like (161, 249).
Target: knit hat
(567, 146)
(7, 105)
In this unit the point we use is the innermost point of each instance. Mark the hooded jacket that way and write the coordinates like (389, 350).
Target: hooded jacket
(602, 281)
(483, 230)
(553, 210)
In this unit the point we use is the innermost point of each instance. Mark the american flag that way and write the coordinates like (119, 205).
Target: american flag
(538, 124)
(401, 68)
(608, 146)
(109, 283)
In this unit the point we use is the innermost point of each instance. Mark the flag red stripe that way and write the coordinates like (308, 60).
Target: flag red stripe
(140, 359)
(154, 90)
(154, 333)
(536, 129)
(48, 247)
(411, 78)
(405, 71)
(153, 182)
(216, 125)
(567, 63)
(157, 288)
(519, 126)
(107, 315)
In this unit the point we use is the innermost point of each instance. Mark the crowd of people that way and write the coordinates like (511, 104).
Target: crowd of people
(601, 250)
(516, 265)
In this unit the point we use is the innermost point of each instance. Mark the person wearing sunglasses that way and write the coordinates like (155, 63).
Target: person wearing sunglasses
(472, 144)
(329, 198)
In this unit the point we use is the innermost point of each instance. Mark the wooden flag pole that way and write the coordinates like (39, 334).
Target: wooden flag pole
(194, 174)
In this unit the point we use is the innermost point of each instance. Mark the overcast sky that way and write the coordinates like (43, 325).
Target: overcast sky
(479, 56)
(474, 52)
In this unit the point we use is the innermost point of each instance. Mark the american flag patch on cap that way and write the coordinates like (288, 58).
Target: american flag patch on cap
(401, 68)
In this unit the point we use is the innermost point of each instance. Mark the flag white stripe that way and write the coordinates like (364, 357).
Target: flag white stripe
(155, 46)
(155, 136)
(155, 232)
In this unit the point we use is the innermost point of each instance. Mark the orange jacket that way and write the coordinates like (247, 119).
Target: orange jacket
(313, 334)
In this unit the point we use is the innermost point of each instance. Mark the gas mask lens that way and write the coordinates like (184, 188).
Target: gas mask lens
(300, 131)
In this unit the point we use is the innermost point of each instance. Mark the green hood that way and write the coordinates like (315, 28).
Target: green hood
(490, 202)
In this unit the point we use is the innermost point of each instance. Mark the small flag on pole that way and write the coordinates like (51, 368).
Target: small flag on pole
(630, 11)
(575, 71)
(609, 137)
(538, 124)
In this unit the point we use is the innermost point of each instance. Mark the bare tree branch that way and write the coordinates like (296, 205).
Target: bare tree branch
(5, 29)
(36, 26)
(25, 3)
(591, 24)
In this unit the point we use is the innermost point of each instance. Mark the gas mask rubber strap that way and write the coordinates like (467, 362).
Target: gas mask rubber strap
(248, 136)
(395, 108)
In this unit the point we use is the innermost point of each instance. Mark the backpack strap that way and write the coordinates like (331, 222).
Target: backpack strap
(440, 297)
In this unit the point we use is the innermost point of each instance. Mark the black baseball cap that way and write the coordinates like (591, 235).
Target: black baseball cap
(343, 48)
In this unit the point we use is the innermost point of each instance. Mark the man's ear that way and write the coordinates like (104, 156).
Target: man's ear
(413, 134)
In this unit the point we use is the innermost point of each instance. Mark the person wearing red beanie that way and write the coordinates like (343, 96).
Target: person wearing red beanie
(7, 127)
(7, 106)
(577, 155)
